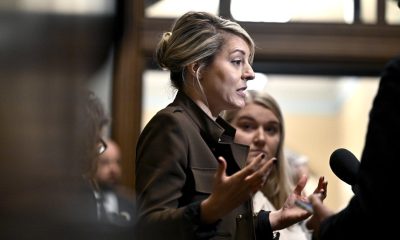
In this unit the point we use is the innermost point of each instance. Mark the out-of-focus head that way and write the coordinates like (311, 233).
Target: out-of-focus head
(196, 37)
(49, 49)
(108, 167)
(93, 119)
(261, 110)
(298, 165)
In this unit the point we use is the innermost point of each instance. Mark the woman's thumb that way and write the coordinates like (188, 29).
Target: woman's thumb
(315, 199)
(221, 168)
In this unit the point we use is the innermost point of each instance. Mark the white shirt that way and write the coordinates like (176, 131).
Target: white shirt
(294, 232)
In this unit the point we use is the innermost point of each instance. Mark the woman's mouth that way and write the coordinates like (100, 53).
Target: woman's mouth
(241, 91)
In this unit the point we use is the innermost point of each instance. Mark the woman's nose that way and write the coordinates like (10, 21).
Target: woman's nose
(259, 137)
(248, 73)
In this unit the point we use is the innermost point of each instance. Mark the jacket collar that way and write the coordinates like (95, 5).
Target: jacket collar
(219, 130)
(219, 134)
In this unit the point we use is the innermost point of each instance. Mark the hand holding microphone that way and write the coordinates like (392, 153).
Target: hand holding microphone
(320, 212)
(345, 166)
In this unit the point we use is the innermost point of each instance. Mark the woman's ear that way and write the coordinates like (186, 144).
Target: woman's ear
(193, 69)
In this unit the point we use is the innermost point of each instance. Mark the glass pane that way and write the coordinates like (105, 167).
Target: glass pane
(157, 93)
(176, 8)
(368, 11)
(292, 10)
(328, 11)
(392, 13)
(67, 6)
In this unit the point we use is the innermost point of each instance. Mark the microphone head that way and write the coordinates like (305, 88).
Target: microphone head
(345, 165)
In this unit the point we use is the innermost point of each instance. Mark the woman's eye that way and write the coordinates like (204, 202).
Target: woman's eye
(272, 130)
(246, 127)
(237, 62)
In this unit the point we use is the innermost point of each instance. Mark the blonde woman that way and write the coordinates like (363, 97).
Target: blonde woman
(259, 124)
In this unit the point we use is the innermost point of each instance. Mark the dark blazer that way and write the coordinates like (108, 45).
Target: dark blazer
(126, 215)
(366, 216)
(175, 167)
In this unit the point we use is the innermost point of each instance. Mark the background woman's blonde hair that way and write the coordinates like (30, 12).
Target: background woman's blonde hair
(196, 37)
(279, 184)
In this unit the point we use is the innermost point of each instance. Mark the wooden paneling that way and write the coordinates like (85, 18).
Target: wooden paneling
(358, 49)
(127, 89)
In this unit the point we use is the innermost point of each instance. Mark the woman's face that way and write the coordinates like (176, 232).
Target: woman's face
(259, 128)
(225, 80)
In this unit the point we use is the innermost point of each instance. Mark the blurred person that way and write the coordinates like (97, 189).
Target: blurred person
(115, 202)
(111, 205)
(94, 119)
(298, 165)
(366, 215)
(192, 181)
(46, 56)
(108, 168)
(260, 125)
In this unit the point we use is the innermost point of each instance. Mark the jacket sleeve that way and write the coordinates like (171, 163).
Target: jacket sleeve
(263, 226)
(161, 167)
(378, 169)
(349, 223)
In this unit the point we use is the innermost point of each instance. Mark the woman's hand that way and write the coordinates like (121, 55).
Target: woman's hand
(290, 213)
(229, 192)
(322, 188)
(320, 213)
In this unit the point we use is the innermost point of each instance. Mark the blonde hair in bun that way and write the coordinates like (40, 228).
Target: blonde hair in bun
(196, 37)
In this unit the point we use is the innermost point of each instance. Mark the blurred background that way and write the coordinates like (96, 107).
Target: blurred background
(321, 59)
(49, 51)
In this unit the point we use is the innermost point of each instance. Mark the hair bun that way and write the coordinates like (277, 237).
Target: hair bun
(163, 50)
(166, 36)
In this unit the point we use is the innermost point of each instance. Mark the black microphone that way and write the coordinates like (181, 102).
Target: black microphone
(345, 166)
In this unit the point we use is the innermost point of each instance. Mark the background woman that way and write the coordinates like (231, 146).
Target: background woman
(260, 125)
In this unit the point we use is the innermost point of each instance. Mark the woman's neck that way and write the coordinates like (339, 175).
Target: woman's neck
(201, 101)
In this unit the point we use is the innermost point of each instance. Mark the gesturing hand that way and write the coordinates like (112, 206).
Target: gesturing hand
(290, 213)
(231, 191)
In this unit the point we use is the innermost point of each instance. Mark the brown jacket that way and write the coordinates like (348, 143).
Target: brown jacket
(175, 167)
